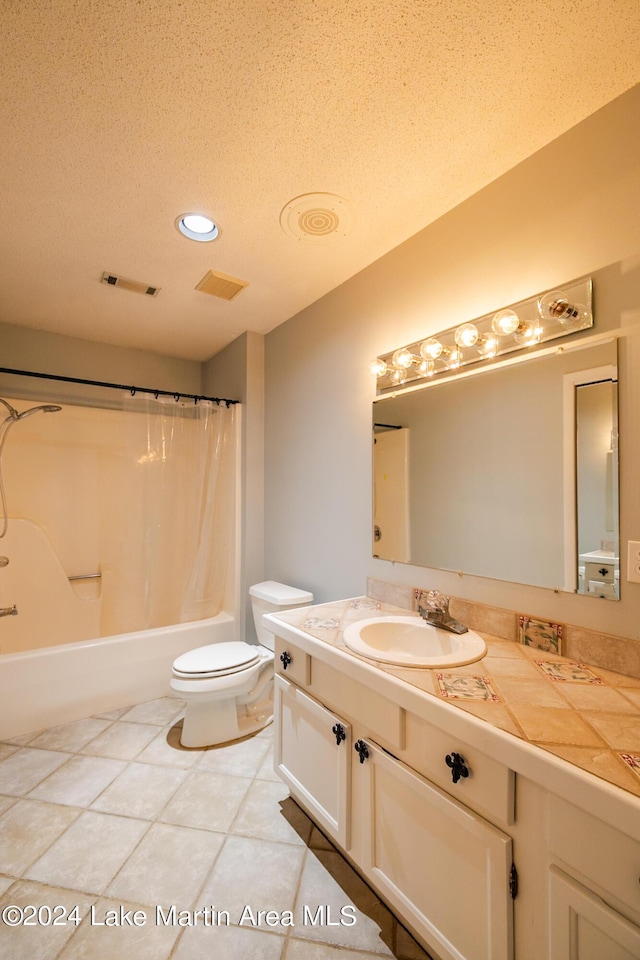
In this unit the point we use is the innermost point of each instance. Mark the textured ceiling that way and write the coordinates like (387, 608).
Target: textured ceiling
(118, 115)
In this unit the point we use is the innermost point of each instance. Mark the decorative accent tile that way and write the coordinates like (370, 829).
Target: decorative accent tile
(365, 603)
(633, 760)
(568, 672)
(455, 687)
(321, 623)
(541, 634)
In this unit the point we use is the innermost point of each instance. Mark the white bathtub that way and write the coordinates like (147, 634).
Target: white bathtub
(53, 685)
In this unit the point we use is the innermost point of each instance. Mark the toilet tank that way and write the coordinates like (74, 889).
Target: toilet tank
(271, 596)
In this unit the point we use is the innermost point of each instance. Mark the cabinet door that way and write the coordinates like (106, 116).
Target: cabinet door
(583, 927)
(313, 757)
(441, 866)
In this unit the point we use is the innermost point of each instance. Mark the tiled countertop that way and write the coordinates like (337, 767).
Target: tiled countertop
(585, 715)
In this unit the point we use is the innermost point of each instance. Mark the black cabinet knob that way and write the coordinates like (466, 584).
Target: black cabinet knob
(338, 731)
(457, 766)
(285, 659)
(361, 749)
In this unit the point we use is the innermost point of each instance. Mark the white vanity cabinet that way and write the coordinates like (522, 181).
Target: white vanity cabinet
(594, 887)
(585, 927)
(440, 852)
(313, 757)
(443, 868)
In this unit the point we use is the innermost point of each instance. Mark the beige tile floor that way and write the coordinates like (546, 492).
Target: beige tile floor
(112, 816)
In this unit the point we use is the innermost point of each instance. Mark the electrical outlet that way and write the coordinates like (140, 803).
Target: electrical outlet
(633, 561)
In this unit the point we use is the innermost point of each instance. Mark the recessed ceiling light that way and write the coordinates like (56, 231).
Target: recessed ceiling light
(195, 226)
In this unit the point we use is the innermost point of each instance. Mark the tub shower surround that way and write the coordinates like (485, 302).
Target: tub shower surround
(68, 570)
(582, 713)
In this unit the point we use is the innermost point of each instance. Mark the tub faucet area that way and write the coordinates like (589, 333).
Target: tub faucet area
(9, 611)
(433, 607)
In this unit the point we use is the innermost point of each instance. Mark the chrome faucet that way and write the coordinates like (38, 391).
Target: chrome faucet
(433, 607)
(9, 611)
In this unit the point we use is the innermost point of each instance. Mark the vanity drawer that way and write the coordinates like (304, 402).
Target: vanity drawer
(607, 858)
(383, 719)
(599, 571)
(489, 787)
(292, 662)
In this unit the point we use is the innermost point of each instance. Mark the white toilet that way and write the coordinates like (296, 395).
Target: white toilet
(228, 687)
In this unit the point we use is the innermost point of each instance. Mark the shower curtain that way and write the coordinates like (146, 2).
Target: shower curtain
(171, 560)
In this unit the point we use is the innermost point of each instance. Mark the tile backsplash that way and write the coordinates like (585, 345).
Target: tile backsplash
(619, 654)
(541, 634)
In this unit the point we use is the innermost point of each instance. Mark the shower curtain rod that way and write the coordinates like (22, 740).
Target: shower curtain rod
(177, 395)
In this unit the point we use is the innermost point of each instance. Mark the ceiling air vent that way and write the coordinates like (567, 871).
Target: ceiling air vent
(133, 285)
(221, 285)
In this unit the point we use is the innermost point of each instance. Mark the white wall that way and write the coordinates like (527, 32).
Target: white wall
(571, 209)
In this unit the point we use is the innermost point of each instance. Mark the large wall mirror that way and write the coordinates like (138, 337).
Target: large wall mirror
(511, 474)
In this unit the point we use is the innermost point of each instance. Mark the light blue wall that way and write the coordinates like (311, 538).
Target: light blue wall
(22, 348)
(569, 210)
(237, 372)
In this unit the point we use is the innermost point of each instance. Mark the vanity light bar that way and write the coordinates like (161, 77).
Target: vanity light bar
(518, 327)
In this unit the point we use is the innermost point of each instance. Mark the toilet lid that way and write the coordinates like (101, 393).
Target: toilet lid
(217, 658)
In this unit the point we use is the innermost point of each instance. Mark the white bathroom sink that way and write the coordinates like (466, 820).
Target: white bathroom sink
(411, 642)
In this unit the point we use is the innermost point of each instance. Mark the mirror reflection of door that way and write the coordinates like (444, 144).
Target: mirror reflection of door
(597, 489)
(491, 471)
(391, 494)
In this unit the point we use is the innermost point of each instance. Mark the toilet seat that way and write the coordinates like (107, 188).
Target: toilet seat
(217, 660)
(227, 687)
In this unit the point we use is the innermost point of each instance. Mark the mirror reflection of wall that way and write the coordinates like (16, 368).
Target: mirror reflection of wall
(486, 470)
(597, 488)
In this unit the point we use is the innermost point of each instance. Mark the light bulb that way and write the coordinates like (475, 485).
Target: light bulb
(378, 368)
(402, 358)
(454, 359)
(427, 368)
(527, 334)
(505, 322)
(466, 335)
(430, 349)
(555, 306)
(488, 345)
(198, 223)
(397, 375)
(195, 226)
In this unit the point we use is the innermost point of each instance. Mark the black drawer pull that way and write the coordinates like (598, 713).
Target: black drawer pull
(457, 765)
(338, 731)
(361, 749)
(285, 659)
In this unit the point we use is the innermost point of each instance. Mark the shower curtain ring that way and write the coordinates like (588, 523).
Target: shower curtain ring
(176, 397)
(156, 394)
(133, 391)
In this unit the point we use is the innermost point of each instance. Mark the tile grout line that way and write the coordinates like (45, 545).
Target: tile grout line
(93, 897)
